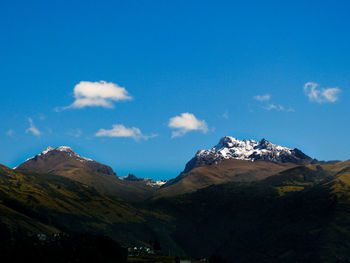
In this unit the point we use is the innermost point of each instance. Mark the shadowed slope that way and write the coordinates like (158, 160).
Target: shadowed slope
(299, 215)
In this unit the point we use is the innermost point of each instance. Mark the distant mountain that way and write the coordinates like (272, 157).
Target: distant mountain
(65, 162)
(233, 160)
(250, 150)
(147, 181)
(132, 178)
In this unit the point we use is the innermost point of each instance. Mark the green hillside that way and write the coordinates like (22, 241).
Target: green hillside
(102, 177)
(299, 215)
(33, 203)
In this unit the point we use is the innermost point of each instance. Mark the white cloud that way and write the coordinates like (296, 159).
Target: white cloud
(278, 108)
(321, 95)
(265, 97)
(75, 133)
(32, 129)
(119, 130)
(225, 115)
(95, 94)
(267, 105)
(186, 122)
(274, 107)
(10, 132)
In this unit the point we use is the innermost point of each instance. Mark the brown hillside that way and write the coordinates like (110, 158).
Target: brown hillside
(227, 171)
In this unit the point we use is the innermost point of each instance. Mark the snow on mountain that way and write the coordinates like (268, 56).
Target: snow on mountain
(150, 182)
(61, 149)
(250, 150)
(156, 183)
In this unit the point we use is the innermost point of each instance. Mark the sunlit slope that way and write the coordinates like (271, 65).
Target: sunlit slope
(67, 163)
(227, 171)
(338, 231)
(45, 203)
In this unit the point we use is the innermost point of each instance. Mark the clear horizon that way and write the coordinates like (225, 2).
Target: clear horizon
(142, 86)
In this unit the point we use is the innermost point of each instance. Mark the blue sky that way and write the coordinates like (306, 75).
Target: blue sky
(192, 72)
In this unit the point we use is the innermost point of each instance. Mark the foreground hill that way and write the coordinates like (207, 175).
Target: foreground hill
(32, 203)
(231, 170)
(241, 210)
(299, 215)
(64, 161)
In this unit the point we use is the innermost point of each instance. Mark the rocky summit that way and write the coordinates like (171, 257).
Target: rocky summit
(63, 160)
(251, 150)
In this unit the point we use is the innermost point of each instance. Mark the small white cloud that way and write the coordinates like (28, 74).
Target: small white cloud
(186, 122)
(75, 133)
(97, 94)
(119, 130)
(225, 115)
(270, 107)
(10, 132)
(321, 95)
(277, 108)
(267, 105)
(32, 129)
(265, 97)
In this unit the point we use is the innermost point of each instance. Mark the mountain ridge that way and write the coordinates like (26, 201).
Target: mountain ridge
(250, 150)
(65, 162)
(51, 160)
(147, 181)
(256, 211)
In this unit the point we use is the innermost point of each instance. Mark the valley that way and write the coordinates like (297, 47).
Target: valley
(235, 209)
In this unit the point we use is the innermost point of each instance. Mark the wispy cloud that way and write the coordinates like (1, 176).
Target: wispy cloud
(277, 107)
(185, 123)
(32, 128)
(321, 95)
(273, 107)
(266, 104)
(265, 97)
(225, 115)
(97, 94)
(10, 132)
(119, 130)
(75, 133)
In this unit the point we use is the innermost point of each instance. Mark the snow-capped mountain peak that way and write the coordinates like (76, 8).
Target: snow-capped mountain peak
(65, 149)
(250, 150)
(48, 149)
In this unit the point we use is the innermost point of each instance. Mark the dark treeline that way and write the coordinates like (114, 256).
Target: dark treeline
(61, 249)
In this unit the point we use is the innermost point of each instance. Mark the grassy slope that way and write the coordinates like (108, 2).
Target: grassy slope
(226, 171)
(41, 203)
(111, 185)
(94, 174)
(299, 215)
